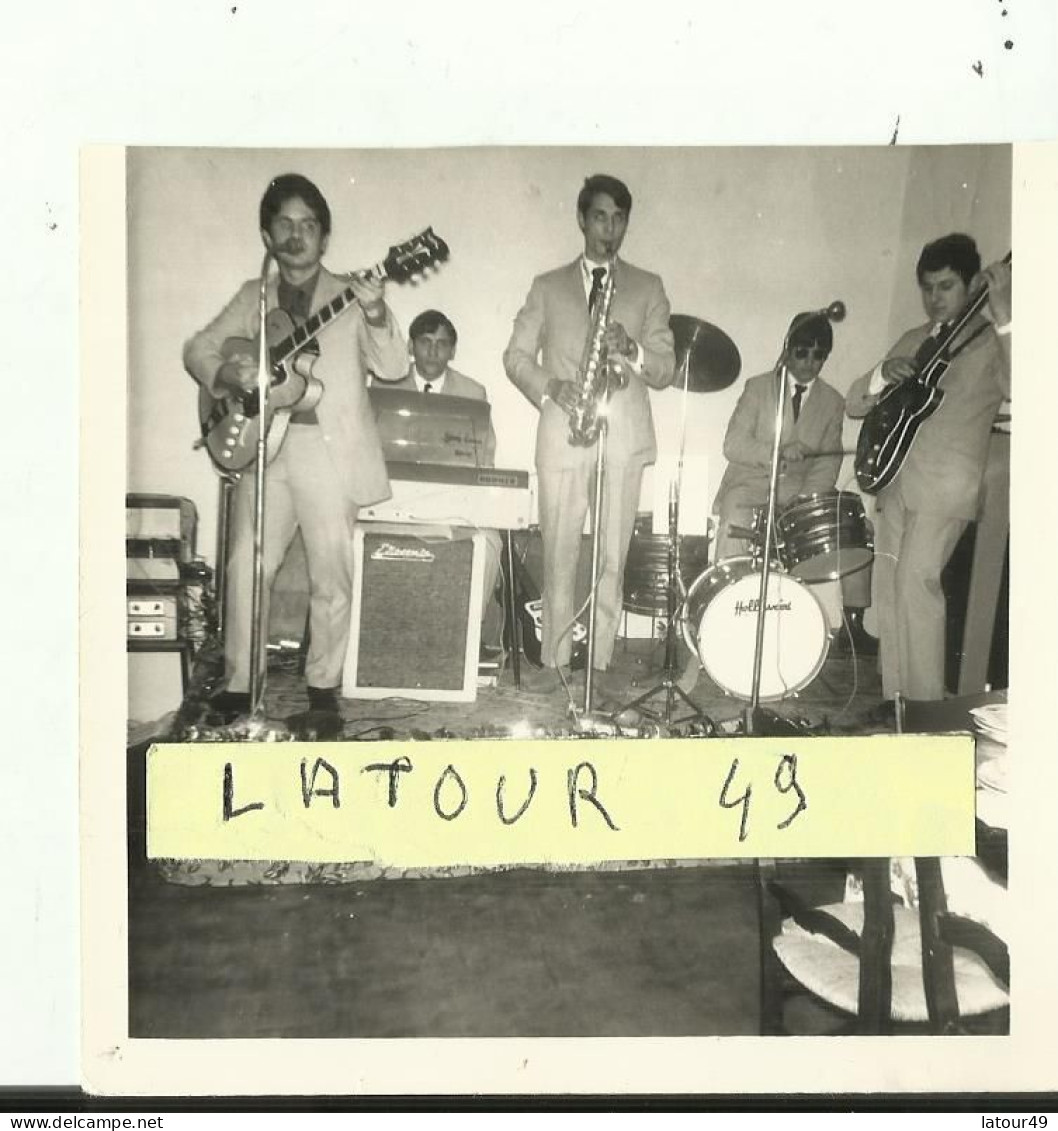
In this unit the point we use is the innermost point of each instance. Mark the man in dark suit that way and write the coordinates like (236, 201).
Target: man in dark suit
(432, 341)
(331, 459)
(925, 509)
(809, 450)
(544, 360)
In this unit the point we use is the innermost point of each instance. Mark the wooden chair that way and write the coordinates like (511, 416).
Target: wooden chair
(881, 966)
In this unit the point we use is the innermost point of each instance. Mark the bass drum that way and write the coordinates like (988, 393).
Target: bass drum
(720, 625)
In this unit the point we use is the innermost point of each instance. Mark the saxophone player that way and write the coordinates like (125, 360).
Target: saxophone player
(545, 359)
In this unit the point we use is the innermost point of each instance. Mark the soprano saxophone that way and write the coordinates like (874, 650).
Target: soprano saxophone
(596, 378)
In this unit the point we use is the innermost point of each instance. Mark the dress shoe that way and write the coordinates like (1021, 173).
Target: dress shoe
(853, 638)
(316, 726)
(490, 655)
(228, 706)
(322, 722)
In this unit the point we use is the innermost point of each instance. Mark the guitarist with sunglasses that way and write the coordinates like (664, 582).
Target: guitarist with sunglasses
(330, 462)
(924, 508)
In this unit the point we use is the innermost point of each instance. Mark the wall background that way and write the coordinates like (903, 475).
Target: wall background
(742, 237)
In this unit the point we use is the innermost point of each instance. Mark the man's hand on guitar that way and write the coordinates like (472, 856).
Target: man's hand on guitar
(236, 375)
(998, 278)
(369, 295)
(897, 369)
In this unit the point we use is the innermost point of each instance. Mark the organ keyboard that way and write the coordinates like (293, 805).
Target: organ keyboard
(454, 496)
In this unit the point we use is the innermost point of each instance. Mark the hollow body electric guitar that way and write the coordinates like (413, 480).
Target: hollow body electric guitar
(231, 424)
(890, 428)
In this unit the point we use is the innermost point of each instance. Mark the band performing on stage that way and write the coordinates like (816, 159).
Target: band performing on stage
(330, 422)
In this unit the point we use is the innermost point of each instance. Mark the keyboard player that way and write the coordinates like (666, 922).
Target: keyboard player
(432, 341)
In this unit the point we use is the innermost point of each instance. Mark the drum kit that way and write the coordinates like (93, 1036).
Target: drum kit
(751, 654)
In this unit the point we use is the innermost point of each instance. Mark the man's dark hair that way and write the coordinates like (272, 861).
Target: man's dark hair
(285, 188)
(812, 329)
(429, 322)
(956, 251)
(613, 188)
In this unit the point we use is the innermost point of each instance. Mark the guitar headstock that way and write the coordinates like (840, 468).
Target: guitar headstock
(415, 256)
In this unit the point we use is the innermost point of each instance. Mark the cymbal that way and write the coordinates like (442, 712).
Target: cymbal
(706, 358)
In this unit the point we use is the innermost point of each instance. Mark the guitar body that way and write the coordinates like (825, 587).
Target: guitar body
(232, 424)
(889, 430)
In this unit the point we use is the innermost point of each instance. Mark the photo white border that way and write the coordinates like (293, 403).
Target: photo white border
(114, 1063)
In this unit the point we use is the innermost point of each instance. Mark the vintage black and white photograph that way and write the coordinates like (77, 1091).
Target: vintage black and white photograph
(592, 443)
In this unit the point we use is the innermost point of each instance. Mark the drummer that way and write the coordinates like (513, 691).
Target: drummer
(809, 452)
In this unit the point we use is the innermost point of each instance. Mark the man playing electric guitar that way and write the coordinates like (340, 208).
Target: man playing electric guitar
(330, 462)
(923, 511)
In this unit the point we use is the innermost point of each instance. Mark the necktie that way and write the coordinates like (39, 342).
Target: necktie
(427, 388)
(798, 394)
(597, 276)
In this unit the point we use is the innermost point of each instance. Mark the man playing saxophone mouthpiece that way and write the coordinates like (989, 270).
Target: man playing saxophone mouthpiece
(546, 359)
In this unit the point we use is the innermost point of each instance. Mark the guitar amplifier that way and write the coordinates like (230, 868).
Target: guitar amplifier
(416, 616)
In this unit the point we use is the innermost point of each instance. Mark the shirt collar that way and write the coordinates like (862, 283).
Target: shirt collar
(436, 385)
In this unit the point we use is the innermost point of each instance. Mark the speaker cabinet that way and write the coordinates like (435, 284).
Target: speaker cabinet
(416, 613)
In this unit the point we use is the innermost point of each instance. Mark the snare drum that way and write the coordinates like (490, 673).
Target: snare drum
(720, 625)
(824, 536)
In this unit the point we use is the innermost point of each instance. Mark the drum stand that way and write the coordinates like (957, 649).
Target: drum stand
(669, 681)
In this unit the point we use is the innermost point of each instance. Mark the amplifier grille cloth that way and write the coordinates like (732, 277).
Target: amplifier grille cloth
(414, 612)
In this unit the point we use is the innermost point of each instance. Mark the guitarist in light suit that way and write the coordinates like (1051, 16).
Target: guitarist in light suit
(330, 462)
(543, 359)
(924, 510)
(809, 450)
(432, 341)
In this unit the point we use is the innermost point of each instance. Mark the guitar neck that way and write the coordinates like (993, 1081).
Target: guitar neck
(284, 350)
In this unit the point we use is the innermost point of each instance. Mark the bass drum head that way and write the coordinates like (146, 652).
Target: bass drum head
(721, 626)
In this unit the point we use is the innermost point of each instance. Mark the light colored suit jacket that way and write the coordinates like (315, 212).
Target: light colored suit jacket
(550, 333)
(751, 435)
(349, 347)
(942, 473)
(456, 385)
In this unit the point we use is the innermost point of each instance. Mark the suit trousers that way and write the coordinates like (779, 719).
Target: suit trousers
(737, 508)
(564, 497)
(912, 549)
(301, 491)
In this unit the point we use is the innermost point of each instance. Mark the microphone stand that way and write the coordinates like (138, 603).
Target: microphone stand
(587, 721)
(753, 715)
(756, 721)
(264, 374)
